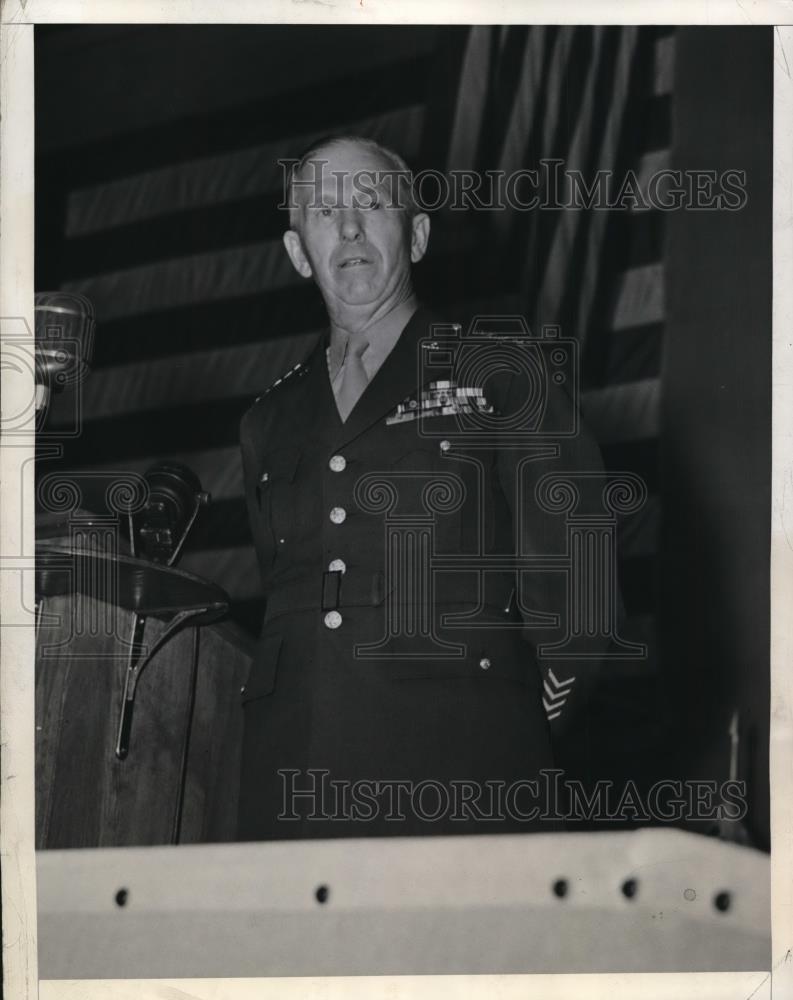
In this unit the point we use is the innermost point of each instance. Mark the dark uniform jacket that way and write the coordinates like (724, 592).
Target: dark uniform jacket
(416, 663)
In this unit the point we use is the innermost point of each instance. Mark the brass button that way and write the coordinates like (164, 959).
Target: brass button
(338, 514)
(338, 463)
(484, 663)
(338, 566)
(332, 619)
(445, 445)
(264, 477)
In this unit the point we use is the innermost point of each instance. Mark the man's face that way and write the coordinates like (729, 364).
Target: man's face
(352, 239)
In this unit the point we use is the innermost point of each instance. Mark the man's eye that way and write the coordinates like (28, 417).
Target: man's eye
(325, 211)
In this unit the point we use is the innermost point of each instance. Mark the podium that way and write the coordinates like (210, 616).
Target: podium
(138, 719)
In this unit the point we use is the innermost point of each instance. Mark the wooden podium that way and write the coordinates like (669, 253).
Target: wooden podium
(138, 719)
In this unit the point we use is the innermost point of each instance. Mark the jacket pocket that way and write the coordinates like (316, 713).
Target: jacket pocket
(501, 656)
(275, 500)
(264, 669)
(281, 464)
(276, 469)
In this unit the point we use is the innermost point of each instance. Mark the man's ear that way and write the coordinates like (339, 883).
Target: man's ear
(420, 236)
(294, 247)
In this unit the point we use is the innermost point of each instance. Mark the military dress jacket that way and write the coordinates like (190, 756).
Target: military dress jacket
(398, 638)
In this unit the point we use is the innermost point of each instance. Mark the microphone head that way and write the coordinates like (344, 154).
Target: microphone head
(174, 492)
(65, 324)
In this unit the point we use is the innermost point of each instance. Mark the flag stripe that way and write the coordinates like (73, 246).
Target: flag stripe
(210, 229)
(471, 97)
(443, 83)
(396, 84)
(651, 163)
(505, 68)
(188, 280)
(166, 429)
(591, 273)
(560, 262)
(664, 65)
(206, 277)
(192, 378)
(524, 102)
(606, 106)
(560, 92)
(199, 326)
(214, 180)
(635, 354)
(639, 298)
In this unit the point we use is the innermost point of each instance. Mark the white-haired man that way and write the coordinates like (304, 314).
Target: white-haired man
(393, 690)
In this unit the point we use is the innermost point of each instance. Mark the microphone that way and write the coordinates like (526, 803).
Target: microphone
(65, 323)
(175, 495)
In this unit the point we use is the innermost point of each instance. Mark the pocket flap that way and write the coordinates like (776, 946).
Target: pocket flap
(261, 679)
(280, 465)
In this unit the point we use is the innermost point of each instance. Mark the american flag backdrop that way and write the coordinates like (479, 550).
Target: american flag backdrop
(165, 217)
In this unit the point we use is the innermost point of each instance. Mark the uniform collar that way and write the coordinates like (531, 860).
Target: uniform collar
(382, 336)
(400, 375)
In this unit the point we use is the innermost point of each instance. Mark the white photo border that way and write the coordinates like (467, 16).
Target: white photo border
(17, 18)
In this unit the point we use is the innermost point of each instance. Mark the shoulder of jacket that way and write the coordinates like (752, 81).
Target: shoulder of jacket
(288, 378)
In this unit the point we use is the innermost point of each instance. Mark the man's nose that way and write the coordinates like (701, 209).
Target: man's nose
(351, 224)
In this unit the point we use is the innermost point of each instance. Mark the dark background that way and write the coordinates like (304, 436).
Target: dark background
(156, 196)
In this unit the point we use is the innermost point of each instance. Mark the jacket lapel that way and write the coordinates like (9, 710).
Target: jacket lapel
(319, 409)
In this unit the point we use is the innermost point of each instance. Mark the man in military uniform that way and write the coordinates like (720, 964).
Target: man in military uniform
(388, 695)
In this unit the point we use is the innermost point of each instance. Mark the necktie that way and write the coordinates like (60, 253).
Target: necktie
(353, 379)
